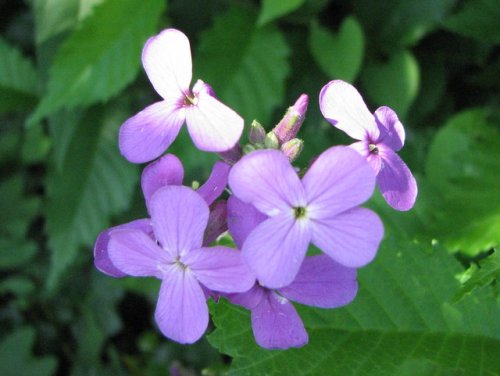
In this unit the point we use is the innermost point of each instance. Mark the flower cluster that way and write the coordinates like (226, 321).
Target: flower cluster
(272, 211)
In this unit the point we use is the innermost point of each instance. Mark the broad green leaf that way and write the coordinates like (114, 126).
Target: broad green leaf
(100, 57)
(18, 80)
(401, 318)
(94, 183)
(272, 9)
(16, 357)
(393, 83)
(247, 67)
(462, 167)
(53, 17)
(339, 55)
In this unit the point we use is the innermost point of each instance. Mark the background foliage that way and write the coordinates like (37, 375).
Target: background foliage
(70, 74)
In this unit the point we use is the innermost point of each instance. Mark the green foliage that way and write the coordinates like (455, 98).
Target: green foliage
(272, 9)
(53, 17)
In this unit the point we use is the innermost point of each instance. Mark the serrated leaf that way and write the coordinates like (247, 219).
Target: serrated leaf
(18, 80)
(247, 67)
(272, 9)
(462, 166)
(339, 55)
(101, 57)
(94, 183)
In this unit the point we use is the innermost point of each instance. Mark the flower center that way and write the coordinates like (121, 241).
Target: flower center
(190, 100)
(180, 265)
(373, 149)
(299, 212)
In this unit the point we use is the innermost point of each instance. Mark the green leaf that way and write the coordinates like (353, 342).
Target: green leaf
(15, 252)
(339, 56)
(247, 67)
(101, 57)
(94, 183)
(16, 358)
(462, 167)
(400, 318)
(17, 285)
(393, 83)
(272, 9)
(53, 17)
(18, 80)
(477, 19)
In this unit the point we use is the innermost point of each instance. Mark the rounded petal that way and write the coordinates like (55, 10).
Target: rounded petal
(338, 180)
(275, 250)
(212, 125)
(216, 182)
(101, 255)
(146, 135)
(242, 218)
(179, 216)
(134, 253)
(392, 132)
(181, 312)
(220, 269)
(350, 238)
(276, 324)
(167, 170)
(267, 180)
(166, 58)
(322, 282)
(342, 105)
(396, 182)
(248, 299)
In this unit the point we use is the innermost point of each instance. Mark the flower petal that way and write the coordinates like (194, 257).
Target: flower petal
(392, 132)
(220, 269)
(167, 170)
(396, 182)
(179, 216)
(363, 148)
(217, 222)
(101, 256)
(212, 125)
(242, 218)
(134, 253)
(248, 299)
(338, 180)
(321, 282)
(275, 250)
(181, 312)
(350, 238)
(166, 58)
(216, 182)
(146, 135)
(276, 324)
(267, 180)
(342, 105)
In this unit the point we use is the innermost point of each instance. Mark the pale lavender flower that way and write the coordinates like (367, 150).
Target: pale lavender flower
(212, 125)
(179, 217)
(321, 208)
(381, 134)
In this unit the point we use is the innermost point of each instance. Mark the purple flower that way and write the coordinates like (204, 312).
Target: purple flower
(321, 208)
(212, 125)
(179, 217)
(381, 134)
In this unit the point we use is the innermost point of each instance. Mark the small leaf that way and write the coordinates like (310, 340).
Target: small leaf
(339, 56)
(17, 285)
(272, 9)
(487, 272)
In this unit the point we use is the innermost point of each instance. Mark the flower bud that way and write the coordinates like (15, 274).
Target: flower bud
(292, 148)
(271, 141)
(257, 133)
(289, 126)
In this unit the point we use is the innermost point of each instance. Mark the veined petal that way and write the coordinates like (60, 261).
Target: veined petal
(101, 256)
(216, 182)
(392, 132)
(338, 180)
(248, 299)
(350, 238)
(166, 58)
(322, 282)
(134, 253)
(167, 170)
(179, 216)
(242, 218)
(267, 180)
(220, 269)
(181, 312)
(276, 324)
(396, 182)
(276, 248)
(342, 105)
(146, 135)
(212, 125)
